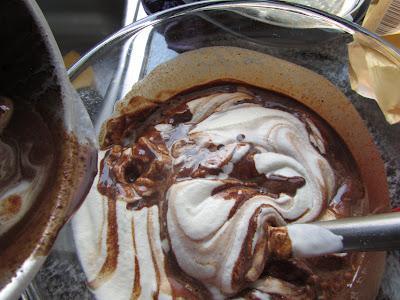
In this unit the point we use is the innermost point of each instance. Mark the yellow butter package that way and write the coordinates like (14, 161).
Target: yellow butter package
(383, 17)
(374, 72)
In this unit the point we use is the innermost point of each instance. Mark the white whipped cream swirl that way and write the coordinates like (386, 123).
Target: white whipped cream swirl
(209, 243)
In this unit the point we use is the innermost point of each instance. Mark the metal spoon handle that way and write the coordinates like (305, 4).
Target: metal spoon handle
(367, 233)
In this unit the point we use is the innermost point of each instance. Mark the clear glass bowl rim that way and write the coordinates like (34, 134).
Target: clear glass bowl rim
(335, 21)
(340, 23)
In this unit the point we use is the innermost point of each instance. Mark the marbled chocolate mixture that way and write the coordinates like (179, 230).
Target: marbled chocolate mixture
(204, 178)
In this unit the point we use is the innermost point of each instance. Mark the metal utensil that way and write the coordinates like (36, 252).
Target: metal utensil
(367, 233)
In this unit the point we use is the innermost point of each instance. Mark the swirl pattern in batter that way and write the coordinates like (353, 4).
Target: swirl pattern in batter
(193, 193)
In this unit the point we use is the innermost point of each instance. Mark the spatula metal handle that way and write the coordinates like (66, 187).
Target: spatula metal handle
(367, 233)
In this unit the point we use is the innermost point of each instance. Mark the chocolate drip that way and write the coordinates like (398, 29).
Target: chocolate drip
(112, 247)
(277, 184)
(245, 169)
(178, 115)
(136, 284)
(273, 185)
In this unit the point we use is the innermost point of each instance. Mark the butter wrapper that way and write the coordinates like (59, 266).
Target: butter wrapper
(375, 73)
(383, 17)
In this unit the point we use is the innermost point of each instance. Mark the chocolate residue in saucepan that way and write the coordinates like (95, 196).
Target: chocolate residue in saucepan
(41, 168)
(27, 156)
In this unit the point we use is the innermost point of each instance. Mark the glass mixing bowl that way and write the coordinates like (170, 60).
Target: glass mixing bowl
(307, 37)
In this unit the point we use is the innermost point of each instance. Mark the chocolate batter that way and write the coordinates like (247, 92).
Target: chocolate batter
(161, 147)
